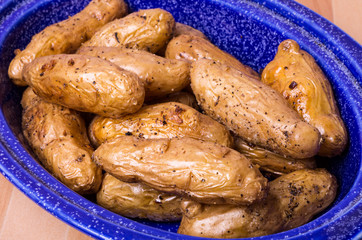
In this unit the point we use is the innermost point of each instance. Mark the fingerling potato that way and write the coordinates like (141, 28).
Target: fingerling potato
(292, 201)
(253, 110)
(164, 120)
(58, 137)
(86, 84)
(271, 162)
(160, 76)
(148, 30)
(183, 29)
(180, 97)
(193, 48)
(295, 74)
(202, 170)
(136, 200)
(66, 36)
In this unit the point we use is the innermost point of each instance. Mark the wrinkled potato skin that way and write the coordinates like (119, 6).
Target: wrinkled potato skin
(180, 97)
(86, 84)
(68, 35)
(271, 162)
(292, 201)
(148, 30)
(58, 137)
(163, 120)
(136, 200)
(160, 76)
(202, 170)
(295, 74)
(193, 48)
(254, 111)
(183, 29)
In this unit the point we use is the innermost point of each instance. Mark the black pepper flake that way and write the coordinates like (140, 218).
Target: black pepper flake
(293, 85)
(41, 74)
(116, 36)
(128, 134)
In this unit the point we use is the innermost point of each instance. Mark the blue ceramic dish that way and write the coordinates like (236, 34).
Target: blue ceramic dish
(250, 30)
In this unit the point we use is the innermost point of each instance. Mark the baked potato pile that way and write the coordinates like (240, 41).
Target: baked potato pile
(180, 129)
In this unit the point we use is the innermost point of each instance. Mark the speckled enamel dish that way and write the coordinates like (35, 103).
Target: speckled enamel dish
(250, 30)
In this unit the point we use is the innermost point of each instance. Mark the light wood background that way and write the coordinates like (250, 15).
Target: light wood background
(20, 218)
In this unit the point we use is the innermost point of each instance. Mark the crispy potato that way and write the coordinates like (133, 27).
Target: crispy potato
(202, 170)
(180, 97)
(58, 137)
(183, 29)
(86, 84)
(295, 74)
(254, 111)
(271, 162)
(66, 36)
(292, 201)
(137, 200)
(193, 48)
(164, 120)
(148, 30)
(160, 76)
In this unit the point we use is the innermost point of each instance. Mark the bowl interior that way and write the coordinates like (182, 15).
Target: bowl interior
(247, 30)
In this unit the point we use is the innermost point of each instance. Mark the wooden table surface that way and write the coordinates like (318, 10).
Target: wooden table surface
(20, 218)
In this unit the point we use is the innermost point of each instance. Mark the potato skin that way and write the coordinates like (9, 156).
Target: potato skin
(86, 84)
(58, 137)
(272, 162)
(136, 200)
(183, 29)
(160, 76)
(254, 111)
(295, 74)
(163, 120)
(202, 170)
(148, 30)
(180, 97)
(68, 35)
(193, 48)
(292, 201)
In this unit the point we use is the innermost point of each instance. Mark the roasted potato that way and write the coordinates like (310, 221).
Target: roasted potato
(137, 200)
(272, 162)
(148, 30)
(164, 120)
(183, 29)
(254, 111)
(202, 170)
(86, 84)
(295, 74)
(292, 201)
(58, 137)
(66, 36)
(180, 97)
(160, 76)
(193, 48)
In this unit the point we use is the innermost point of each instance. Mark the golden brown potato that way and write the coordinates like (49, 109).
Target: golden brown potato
(180, 97)
(160, 76)
(66, 36)
(271, 162)
(148, 30)
(183, 29)
(193, 48)
(292, 201)
(254, 111)
(202, 170)
(164, 120)
(137, 200)
(58, 137)
(86, 84)
(295, 74)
